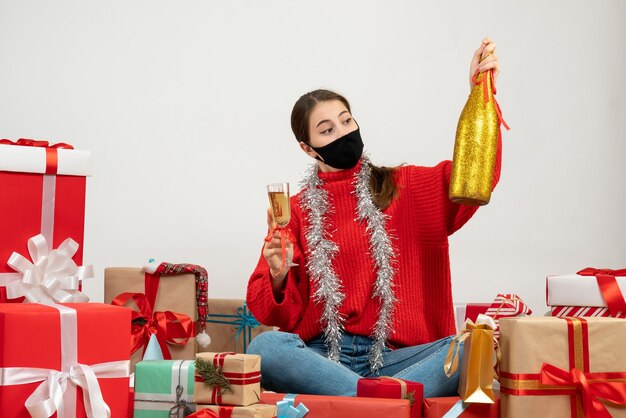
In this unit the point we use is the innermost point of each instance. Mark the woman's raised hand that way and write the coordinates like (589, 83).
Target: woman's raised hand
(272, 252)
(484, 59)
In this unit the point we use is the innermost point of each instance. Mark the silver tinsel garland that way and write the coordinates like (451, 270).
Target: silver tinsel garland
(322, 250)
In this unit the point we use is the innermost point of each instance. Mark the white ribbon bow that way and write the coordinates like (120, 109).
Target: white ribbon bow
(52, 276)
(48, 397)
(485, 320)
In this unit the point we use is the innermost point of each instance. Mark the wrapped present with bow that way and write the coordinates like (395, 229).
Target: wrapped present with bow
(227, 379)
(320, 406)
(164, 389)
(479, 356)
(258, 410)
(453, 406)
(393, 388)
(563, 367)
(44, 189)
(590, 292)
(49, 276)
(180, 289)
(231, 326)
(506, 305)
(171, 329)
(52, 360)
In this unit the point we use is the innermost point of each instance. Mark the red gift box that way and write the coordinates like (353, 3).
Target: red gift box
(472, 310)
(43, 189)
(465, 311)
(392, 388)
(70, 343)
(345, 406)
(438, 407)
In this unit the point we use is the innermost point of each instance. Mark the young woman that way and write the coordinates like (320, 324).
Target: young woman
(371, 292)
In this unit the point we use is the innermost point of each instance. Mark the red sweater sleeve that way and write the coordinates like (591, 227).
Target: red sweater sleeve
(285, 310)
(458, 214)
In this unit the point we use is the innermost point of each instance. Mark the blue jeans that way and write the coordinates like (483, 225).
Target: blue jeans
(290, 365)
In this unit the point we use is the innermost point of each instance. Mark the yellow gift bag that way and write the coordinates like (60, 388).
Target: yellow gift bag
(477, 362)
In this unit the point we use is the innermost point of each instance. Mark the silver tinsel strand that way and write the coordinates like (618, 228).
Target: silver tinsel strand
(383, 255)
(322, 250)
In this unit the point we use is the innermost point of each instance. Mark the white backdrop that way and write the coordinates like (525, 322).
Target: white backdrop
(185, 105)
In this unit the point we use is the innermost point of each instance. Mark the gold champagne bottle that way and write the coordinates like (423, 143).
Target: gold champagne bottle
(476, 144)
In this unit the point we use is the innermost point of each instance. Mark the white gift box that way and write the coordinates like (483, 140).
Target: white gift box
(33, 160)
(577, 290)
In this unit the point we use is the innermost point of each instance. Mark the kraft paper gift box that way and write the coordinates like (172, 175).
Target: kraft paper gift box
(238, 377)
(55, 342)
(439, 407)
(164, 388)
(590, 292)
(392, 388)
(563, 367)
(258, 410)
(320, 406)
(44, 193)
(176, 293)
(231, 326)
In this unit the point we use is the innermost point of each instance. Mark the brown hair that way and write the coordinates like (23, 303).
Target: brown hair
(382, 183)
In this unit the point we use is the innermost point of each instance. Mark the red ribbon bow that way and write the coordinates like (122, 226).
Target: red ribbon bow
(591, 390)
(52, 159)
(285, 234)
(476, 81)
(203, 413)
(24, 142)
(608, 287)
(167, 325)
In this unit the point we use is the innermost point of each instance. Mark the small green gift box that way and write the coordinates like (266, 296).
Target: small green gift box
(164, 388)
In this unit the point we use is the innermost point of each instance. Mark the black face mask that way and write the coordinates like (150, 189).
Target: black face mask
(342, 153)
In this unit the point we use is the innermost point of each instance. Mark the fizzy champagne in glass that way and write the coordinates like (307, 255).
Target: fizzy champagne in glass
(278, 194)
(279, 200)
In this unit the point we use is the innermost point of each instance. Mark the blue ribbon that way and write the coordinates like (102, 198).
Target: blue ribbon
(285, 408)
(243, 320)
(456, 410)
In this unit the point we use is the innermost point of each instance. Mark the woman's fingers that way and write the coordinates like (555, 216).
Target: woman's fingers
(488, 50)
(490, 63)
(489, 60)
(488, 66)
(270, 219)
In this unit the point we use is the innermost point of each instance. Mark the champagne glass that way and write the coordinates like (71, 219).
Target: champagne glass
(278, 194)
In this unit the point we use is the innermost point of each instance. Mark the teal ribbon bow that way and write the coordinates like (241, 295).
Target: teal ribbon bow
(285, 408)
(243, 320)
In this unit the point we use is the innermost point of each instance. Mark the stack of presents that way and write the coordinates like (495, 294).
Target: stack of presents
(159, 347)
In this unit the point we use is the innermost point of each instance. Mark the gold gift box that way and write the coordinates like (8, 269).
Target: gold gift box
(258, 410)
(528, 343)
(243, 372)
(177, 293)
(223, 336)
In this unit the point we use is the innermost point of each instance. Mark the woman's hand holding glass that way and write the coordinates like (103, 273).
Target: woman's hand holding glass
(278, 249)
(272, 251)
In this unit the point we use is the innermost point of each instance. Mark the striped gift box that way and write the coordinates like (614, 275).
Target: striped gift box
(584, 311)
(506, 305)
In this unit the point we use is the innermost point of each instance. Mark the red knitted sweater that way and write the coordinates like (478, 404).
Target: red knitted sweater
(421, 218)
